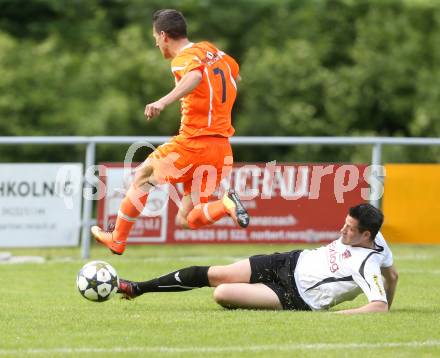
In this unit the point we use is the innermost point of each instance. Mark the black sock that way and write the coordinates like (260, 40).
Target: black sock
(180, 280)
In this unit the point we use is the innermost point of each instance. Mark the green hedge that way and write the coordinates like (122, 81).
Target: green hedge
(309, 68)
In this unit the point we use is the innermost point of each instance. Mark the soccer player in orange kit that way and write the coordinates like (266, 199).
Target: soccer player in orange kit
(206, 80)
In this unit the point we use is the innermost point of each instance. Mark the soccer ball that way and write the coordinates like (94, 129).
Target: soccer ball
(97, 281)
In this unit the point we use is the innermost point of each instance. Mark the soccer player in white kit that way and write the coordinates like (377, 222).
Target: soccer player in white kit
(359, 261)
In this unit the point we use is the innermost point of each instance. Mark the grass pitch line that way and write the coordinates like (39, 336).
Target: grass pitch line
(413, 257)
(421, 272)
(162, 259)
(232, 349)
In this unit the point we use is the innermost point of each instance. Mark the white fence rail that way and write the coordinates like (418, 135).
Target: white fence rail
(91, 142)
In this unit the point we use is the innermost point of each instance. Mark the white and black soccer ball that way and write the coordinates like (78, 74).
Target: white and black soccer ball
(97, 281)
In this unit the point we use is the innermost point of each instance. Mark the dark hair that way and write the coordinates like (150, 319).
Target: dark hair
(369, 217)
(171, 22)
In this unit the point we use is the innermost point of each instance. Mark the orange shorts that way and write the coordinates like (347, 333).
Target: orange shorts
(199, 163)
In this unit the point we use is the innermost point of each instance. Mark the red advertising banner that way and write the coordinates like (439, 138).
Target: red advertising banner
(287, 203)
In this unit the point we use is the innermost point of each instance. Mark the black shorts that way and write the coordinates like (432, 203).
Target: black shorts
(276, 272)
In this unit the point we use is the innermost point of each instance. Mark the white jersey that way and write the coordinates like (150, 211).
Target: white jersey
(335, 273)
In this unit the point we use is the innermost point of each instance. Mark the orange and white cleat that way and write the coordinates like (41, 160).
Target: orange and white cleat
(235, 209)
(106, 238)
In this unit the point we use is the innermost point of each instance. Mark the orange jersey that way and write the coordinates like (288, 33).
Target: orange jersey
(206, 111)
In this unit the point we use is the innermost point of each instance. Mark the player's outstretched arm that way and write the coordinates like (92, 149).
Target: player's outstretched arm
(188, 82)
(391, 276)
(371, 307)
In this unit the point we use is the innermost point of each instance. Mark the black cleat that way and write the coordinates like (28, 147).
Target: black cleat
(235, 209)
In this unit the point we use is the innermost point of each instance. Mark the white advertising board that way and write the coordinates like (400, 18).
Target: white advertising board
(40, 204)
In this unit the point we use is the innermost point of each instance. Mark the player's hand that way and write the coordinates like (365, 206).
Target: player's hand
(153, 109)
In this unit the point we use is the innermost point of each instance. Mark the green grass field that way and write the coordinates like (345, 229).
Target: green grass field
(42, 314)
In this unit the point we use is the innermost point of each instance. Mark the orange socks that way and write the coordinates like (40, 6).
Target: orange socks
(206, 214)
(130, 208)
(135, 200)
